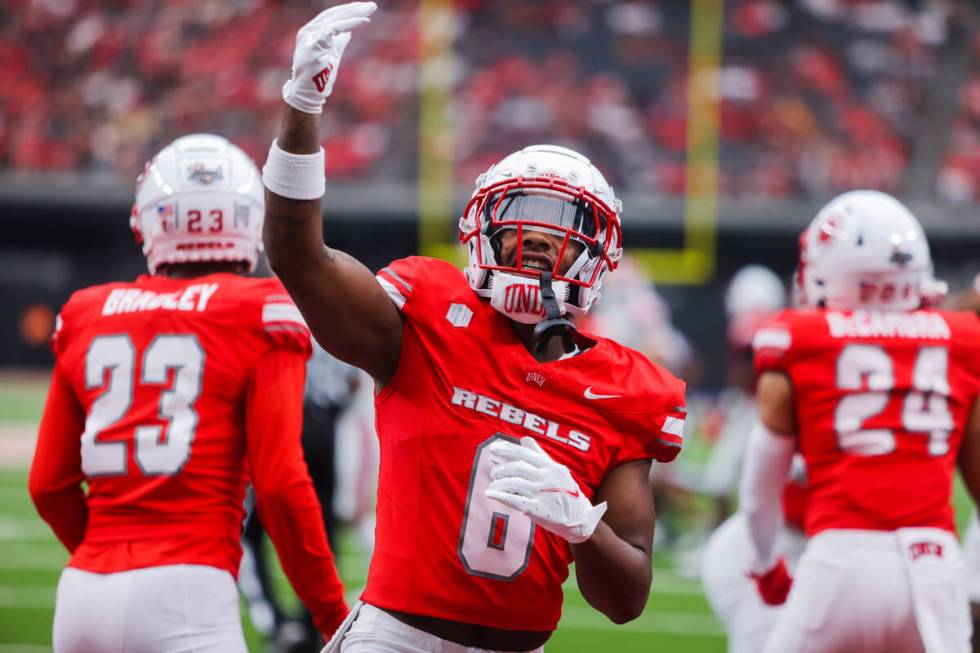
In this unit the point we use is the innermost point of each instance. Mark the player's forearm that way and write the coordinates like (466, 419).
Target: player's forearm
(346, 309)
(291, 515)
(613, 575)
(299, 132)
(284, 493)
(767, 462)
(55, 480)
(293, 231)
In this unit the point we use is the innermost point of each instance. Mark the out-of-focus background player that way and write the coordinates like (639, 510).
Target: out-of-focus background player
(753, 297)
(169, 393)
(874, 389)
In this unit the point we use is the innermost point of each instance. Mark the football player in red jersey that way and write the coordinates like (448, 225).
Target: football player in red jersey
(169, 393)
(879, 394)
(511, 445)
(729, 551)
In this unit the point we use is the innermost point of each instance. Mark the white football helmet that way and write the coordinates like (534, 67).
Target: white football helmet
(199, 199)
(754, 289)
(864, 249)
(543, 188)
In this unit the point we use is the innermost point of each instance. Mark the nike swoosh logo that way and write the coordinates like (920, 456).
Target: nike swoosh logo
(591, 395)
(561, 490)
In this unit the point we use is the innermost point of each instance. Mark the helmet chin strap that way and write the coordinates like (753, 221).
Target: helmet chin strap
(554, 325)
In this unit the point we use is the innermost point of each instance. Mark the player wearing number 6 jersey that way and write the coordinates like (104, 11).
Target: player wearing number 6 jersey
(511, 444)
(169, 392)
(879, 394)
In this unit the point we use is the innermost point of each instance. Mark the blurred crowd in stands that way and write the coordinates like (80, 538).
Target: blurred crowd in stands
(959, 180)
(99, 85)
(816, 96)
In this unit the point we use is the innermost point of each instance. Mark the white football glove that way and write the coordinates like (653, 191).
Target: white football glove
(525, 478)
(319, 46)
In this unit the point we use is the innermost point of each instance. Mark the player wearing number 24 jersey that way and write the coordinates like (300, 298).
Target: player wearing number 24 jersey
(169, 394)
(879, 393)
(511, 443)
(882, 399)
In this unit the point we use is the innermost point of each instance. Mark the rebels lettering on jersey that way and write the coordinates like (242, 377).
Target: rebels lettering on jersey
(516, 416)
(162, 368)
(882, 400)
(464, 379)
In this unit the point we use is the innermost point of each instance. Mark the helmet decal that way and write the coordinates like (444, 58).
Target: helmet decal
(200, 173)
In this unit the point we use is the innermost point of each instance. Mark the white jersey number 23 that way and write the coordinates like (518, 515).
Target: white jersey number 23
(154, 455)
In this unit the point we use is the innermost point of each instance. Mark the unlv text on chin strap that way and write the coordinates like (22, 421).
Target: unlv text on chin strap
(554, 324)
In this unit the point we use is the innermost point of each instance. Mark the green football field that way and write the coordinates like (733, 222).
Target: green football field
(677, 618)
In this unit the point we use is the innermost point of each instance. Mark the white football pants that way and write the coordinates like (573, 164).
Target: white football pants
(372, 630)
(971, 552)
(166, 609)
(733, 596)
(898, 591)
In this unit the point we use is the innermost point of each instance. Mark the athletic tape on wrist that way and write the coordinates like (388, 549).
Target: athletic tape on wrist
(295, 176)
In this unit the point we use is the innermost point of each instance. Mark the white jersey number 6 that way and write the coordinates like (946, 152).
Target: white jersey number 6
(495, 541)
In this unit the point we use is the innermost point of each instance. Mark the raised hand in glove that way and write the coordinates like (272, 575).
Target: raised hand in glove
(525, 478)
(773, 584)
(319, 46)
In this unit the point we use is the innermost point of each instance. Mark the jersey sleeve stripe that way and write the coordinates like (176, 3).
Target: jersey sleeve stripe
(772, 338)
(394, 275)
(295, 328)
(282, 312)
(674, 426)
(671, 440)
(392, 291)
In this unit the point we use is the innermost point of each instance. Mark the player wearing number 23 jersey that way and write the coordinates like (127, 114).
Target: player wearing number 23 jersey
(464, 380)
(169, 394)
(879, 393)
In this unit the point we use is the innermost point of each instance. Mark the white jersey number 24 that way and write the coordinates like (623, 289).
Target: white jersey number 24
(925, 408)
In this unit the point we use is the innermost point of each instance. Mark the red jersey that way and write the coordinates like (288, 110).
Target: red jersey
(443, 549)
(881, 400)
(164, 392)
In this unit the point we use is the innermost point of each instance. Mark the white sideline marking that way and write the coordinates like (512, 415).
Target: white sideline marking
(354, 593)
(23, 529)
(13, 493)
(655, 621)
(671, 584)
(33, 557)
(17, 443)
(663, 583)
(27, 596)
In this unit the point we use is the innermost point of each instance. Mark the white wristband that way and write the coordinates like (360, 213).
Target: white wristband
(294, 176)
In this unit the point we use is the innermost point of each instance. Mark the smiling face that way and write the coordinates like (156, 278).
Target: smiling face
(539, 250)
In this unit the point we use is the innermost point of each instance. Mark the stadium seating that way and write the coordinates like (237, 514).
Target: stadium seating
(816, 97)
